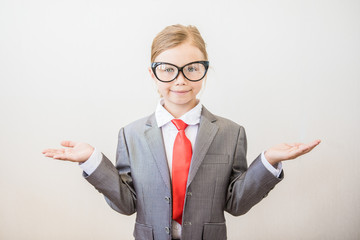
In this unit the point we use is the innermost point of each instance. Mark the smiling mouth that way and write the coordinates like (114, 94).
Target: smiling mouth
(180, 91)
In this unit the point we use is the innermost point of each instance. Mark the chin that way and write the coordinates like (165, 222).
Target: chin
(183, 101)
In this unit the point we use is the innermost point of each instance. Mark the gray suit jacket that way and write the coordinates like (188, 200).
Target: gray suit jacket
(219, 179)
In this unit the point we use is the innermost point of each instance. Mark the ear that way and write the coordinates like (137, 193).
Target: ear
(152, 74)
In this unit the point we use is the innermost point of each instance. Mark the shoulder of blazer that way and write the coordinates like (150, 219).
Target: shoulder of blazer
(139, 126)
(151, 120)
(220, 121)
(208, 115)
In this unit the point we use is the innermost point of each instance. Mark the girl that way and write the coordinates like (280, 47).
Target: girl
(181, 167)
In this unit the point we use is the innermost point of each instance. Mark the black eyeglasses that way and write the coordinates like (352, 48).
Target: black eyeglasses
(167, 72)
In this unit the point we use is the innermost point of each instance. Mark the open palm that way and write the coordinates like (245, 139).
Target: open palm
(75, 152)
(286, 151)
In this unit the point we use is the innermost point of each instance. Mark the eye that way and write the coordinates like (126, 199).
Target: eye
(169, 70)
(191, 69)
(166, 68)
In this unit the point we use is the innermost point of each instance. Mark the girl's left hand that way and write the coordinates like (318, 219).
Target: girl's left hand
(286, 151)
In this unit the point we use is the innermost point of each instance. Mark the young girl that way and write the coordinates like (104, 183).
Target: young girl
(181, 167)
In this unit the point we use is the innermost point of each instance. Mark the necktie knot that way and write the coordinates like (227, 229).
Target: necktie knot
(179, 124)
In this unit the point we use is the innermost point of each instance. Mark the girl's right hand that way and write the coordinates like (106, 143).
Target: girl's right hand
(75, 152)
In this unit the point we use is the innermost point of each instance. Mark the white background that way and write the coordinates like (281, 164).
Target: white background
(288, 71)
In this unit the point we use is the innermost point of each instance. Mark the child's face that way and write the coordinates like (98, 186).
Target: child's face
(180, 93)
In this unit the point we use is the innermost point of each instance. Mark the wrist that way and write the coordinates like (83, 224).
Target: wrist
(270, 159)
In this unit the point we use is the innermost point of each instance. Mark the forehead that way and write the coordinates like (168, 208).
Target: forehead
(180, 55)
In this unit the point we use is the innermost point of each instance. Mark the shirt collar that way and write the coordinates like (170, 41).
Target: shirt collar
(163, 117)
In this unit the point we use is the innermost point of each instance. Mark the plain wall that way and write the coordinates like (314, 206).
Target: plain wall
(288, 71)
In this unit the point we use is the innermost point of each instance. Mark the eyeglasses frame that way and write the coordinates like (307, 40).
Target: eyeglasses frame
(180, 69)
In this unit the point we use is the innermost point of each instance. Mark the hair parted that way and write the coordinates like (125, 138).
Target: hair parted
(173, 36)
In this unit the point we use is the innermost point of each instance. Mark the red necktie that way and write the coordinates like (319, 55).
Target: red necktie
(180, 168)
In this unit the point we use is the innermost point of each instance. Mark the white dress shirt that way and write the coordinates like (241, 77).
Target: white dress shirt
(169, 132)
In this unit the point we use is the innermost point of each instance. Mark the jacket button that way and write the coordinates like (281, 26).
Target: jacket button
(167, 199)
(187, 223)
(167, 230)
(189, 194)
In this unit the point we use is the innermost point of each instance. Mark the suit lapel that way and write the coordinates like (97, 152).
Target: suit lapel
(205, 136)
(154, 139)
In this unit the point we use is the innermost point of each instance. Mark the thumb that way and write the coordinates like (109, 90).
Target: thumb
(68, 144)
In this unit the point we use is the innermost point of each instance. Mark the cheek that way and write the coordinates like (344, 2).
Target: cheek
(197, 86)
(162, 87)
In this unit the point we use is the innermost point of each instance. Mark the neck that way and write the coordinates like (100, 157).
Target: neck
(177, 110)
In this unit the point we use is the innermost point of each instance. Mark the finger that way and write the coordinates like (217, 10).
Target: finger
(49, 155)
(313, 145)
(298, 151)
(48, 150)
(52, 151)
(68, 143)
(64, 157)
(45, 151)
(307, 148)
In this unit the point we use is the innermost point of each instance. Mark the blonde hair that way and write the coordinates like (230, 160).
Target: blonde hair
(175, 35)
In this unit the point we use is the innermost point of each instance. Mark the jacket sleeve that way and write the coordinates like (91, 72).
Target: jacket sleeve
(248, 186)
(115, 183)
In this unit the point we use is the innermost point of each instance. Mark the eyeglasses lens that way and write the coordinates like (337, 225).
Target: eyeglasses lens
(166, 72)
(194, 71)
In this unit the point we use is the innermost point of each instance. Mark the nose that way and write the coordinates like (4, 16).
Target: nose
(180, 79)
